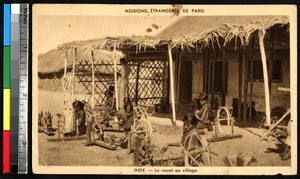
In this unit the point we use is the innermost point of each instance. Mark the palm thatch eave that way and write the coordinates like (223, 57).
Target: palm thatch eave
(241, 32)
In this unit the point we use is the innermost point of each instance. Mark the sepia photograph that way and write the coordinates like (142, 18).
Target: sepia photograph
(164, 89)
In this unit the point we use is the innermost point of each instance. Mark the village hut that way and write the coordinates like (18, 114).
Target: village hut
(230, 56)
(244, 57)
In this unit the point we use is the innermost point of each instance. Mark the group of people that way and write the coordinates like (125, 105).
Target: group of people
(198, 121)
(86, 121)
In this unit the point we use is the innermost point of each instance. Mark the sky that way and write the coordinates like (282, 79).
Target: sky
(56, 30)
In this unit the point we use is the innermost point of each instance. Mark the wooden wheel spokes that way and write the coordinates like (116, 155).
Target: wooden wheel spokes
(142, 126)
(196, 149)
(142, 111)
(224, 114)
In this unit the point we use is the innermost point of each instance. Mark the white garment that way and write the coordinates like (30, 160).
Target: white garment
(68, 125)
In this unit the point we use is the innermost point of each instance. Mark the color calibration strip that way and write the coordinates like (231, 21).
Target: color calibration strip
(6, 86)
(15, 83)
(23, 91)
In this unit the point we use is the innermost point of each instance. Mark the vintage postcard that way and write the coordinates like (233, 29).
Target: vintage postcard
(164, 89)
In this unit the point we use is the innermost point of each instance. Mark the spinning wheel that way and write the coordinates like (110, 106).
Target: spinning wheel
(142, 127)
(139, 137)
(139, 141)
(196, 149)
(223, 114)
(142, 111)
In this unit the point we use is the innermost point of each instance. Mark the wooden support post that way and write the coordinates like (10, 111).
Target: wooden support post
(224, 75)
(176, 64)
(240, 83)
(245, 83)
(137, 83)
(116, 78)
(252, 51)
(172, 84)
(215, 51)
(165, 97)
(127, 71)
(93, 81)
(122, 85)
(209, 63)
(73, 73)
(178, 79)
(261, 35)
(271, 59)
(204, 61)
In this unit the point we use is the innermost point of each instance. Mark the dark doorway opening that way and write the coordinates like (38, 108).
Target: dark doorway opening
(185, 87)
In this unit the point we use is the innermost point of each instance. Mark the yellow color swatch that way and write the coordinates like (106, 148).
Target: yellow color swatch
(6, 109)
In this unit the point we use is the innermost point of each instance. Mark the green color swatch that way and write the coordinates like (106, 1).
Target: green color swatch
(6, 67)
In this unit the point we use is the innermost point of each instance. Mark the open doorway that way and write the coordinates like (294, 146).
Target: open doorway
(185, 87)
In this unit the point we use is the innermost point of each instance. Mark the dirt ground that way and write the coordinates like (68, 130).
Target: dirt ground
(74, 153)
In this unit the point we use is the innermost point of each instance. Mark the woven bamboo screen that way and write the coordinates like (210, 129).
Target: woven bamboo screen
(104, 77)
(146, 81)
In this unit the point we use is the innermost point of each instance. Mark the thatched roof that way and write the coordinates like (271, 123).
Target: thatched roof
(208, 29)
(188, 32)
(53, 60)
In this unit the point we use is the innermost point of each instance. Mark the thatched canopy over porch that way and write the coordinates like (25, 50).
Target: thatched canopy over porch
(193, 34)
(189, 32)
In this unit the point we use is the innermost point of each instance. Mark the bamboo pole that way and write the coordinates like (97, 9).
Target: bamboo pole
(224, 75)
(122, 85)
(172, 84)
(246, 55)
(73, 73)
(137, 83)
(204, 53)
(240, 84)
(178, 80)
(271, 53)
(214, 56)
(210, 54)
(127, 71)
(116, 79)
(261, 35)
(252, 50)
(176, 64)
(93, 81)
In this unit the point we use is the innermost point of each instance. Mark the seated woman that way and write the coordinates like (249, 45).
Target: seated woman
(125, 116)
(190, 140)
(204, 114)
(109, 108)
(189, 124)
(110, 102)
